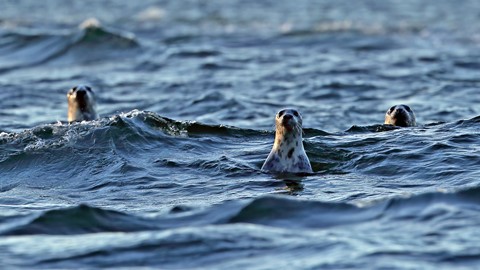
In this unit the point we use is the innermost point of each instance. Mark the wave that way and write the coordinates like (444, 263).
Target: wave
(141, 123)
(78, 220)
(90, 43)
(227, 151)
(293, 213)
(342, 26)
(441, 126)
(118, 140)
(273, 211)
(370, 129)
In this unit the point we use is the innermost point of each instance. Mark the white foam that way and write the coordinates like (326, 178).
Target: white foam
(90, 23)
(153, 13)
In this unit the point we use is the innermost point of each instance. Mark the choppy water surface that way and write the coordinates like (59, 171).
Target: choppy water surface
(169, 176)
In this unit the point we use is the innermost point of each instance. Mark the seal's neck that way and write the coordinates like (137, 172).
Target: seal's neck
(286, 139)
(78, 113)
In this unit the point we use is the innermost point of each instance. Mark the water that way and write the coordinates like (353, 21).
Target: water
(169, 176)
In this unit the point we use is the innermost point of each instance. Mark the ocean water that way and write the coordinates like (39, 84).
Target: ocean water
(169, 177)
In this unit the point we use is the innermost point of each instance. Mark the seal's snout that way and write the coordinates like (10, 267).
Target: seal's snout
(81, 93)
(82, 98)
(287, 120)
(400, 111)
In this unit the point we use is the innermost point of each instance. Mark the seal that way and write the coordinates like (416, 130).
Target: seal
(401, 116)
(81, 104)
(288, 154)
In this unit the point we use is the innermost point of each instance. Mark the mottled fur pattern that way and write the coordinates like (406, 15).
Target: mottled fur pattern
(400, 115)
(288, 154)
(81, 104)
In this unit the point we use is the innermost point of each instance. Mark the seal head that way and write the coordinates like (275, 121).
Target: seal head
(81, 104)
(288, 154)
(400, 115)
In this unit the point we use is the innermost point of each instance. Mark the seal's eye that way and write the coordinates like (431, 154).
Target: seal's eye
(74, 89)
(89, 89)
(280, 113)
(296, 113)
(407, 108)
(391, 110)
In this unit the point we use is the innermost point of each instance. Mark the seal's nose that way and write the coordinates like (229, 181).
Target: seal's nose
(400, 112)
(287, 118)
(81, 93)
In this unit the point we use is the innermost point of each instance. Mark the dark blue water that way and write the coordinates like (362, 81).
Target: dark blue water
(169, 177)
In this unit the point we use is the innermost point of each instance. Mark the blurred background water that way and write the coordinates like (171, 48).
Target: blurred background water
(169, 176)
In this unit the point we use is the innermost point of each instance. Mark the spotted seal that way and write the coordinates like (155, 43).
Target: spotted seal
(400, 115)
(288, 154)
(81, 104)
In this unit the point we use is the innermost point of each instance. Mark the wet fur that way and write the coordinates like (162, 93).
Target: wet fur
(400, 115)
(288, 154)
(81, 108)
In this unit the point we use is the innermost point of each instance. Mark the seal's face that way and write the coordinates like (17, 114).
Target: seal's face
(81, 104)
(289, 119)
(400, 115)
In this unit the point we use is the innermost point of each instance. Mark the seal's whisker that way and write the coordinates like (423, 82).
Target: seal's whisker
(298, 128)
